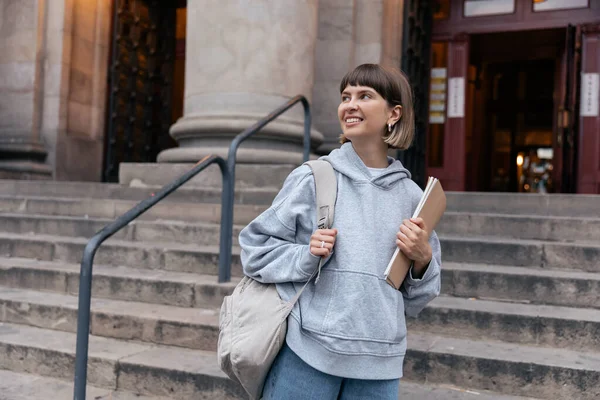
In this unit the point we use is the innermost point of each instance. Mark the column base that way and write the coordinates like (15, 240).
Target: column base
(23, 159)
(280, 142)
(25, 170)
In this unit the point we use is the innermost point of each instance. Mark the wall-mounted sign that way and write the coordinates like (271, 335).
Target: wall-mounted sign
(456, 97)
(590, 94)
(437, 96)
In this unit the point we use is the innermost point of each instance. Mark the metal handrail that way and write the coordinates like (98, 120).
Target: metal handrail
(85, 279)
(226, 234)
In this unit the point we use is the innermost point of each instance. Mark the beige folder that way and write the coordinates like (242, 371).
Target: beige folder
(430, 208)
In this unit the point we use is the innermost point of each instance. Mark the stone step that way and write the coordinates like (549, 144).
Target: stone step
(540, 325)
(172, 231)
(559, 327)
(502, 203)
(509, 368)
(426, 391)
(172, 257)
(152, 323)
(566, 205)
(94, 190)
(117, 283)
(126, 365)
(561, 229)
(204, 259)
(21, 386)
(551, 228)
(515, 252)
(246, 175)
(456, 223)
(108, 208)
(529, 285)
(491, 282)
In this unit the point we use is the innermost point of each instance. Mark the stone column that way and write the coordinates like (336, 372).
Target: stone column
(350, 33)
(22, 46)
(244, 59)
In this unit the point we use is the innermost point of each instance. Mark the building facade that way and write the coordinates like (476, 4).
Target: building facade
(507, 90)
(88, 84)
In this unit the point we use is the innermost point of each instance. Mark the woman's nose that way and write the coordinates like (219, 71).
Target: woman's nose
(351, 105)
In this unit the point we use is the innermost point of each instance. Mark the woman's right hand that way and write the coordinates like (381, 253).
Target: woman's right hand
(322, 242)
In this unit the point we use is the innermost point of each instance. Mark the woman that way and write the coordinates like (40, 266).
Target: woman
(346, 336)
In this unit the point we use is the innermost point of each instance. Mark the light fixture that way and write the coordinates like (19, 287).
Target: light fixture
(539, 1)
(520, 160)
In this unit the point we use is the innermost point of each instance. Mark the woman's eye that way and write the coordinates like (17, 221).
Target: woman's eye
(345, 98)
(365, 96)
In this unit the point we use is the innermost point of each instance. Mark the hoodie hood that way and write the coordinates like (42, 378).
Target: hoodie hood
(347, 162)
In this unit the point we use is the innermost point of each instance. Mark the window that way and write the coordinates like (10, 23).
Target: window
(547, 5)
(477, 8)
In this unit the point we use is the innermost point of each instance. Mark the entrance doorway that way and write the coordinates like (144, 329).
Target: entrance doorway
(514, 89)
(514, 96)
(146, 72)
(518, 131)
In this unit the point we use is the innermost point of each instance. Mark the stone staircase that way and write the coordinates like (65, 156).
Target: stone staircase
(519, 313)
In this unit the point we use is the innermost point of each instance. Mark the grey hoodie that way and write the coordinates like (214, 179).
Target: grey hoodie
(350, 323)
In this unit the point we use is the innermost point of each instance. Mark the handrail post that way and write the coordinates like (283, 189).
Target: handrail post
(83, 320)
(227, 201)
(307, 123)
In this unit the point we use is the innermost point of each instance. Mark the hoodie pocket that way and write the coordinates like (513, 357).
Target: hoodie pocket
(356, 306)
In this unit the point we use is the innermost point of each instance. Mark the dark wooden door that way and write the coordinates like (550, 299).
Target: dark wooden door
(140, 83)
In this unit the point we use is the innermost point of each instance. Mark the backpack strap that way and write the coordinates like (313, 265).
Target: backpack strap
(325, 190)
(326, 194)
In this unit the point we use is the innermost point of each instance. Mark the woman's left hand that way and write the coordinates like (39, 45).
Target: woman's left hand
(413, 241)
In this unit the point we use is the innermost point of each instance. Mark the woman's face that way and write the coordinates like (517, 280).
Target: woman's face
(363, 113)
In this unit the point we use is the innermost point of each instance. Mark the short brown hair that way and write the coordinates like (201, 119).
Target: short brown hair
(393, 86)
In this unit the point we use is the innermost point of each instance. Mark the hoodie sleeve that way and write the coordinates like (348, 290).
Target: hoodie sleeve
(418, 293)
(275, 245)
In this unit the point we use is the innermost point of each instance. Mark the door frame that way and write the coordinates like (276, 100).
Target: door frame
(588, 159)
(456, 31)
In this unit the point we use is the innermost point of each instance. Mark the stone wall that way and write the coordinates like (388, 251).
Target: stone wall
(22, 30)
(78, 137)
(53, 68)
(18, 32)
(54, 57)
(351, 32)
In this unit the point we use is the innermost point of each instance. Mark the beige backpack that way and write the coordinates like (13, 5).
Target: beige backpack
(253, 320)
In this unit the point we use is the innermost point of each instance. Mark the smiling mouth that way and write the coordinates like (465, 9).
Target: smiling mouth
(353, 120)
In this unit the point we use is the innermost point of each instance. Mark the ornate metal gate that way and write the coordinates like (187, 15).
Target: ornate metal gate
(418, 20)
(140, 83)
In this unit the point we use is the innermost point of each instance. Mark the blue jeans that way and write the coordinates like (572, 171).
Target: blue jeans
(290, 378)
